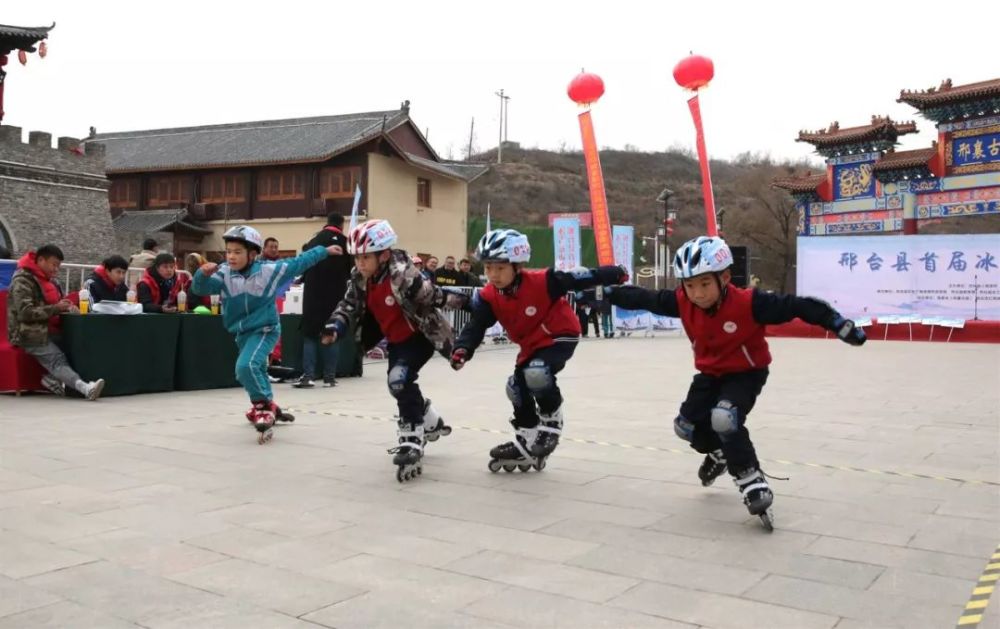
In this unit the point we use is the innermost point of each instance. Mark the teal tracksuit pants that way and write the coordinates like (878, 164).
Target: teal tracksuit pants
(251, 365)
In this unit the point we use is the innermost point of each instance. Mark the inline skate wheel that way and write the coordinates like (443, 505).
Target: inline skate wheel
(494, 465)
(509, 467)
(540, 465)
(403, 474)
(767, 520)
(525, 467)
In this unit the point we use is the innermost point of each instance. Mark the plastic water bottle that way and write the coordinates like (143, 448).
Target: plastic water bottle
(130, 296)
(182, 301)
(215, 304)
(84, 301)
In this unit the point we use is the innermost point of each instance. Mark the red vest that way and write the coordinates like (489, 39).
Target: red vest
(154, 287)
(382, 304)
(530, 316)
(102, 273)
(728, 341)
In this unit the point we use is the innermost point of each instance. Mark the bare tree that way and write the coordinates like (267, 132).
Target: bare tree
(768, 221)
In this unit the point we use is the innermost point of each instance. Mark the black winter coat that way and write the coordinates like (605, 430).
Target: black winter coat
(325, 283)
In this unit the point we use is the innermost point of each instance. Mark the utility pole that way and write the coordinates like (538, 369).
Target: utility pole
(500, 138)
(472, 130)
(506, 115)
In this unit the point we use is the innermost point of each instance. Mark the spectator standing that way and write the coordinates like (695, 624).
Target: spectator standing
(144, 259)
(468, 277)
(324, 287)
(448, 275)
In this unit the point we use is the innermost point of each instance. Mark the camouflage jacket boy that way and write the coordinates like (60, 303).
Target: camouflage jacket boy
(29, 317)
(419, 298)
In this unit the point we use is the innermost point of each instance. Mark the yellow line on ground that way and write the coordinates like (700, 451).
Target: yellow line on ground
(980, 596)
(971, 481)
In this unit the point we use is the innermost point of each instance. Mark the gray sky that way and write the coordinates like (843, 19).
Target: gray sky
(780, 66)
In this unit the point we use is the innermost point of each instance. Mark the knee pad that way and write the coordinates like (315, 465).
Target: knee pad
(683, 428)
(514, 393)
(398, 376)
(725, 419)
(538, 376)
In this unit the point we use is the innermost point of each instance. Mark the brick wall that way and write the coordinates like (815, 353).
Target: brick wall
(54, 195)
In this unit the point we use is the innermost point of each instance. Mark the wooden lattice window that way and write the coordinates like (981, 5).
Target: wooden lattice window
(338, 183)
(124, 193)
(223, 188)
(280, 185)
(168, 191)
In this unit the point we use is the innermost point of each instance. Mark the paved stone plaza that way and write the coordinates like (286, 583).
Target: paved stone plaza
(162, 510)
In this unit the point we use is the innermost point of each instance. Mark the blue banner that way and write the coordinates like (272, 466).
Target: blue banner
(623, 242)
(566, 238)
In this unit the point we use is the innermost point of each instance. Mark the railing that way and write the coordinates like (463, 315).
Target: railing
(72, 270)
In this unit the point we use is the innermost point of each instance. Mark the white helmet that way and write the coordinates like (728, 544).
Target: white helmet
(503, 245)
(371, 237)
(704, 254)
(246, 235)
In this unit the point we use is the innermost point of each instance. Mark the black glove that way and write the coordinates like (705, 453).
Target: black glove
(624, 275)
(458, 358)
(847, 332)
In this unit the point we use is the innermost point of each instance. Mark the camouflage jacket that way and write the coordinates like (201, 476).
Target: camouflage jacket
(418, 297)
(27, 313)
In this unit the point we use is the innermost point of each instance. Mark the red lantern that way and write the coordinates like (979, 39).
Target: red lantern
(694, 72)
(43, 49)
(22, 57)
(585, 88)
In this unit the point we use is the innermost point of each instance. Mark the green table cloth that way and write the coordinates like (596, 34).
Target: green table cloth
(134, 354)
(206, 354)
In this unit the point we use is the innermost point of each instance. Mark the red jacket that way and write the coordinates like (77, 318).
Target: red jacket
(728, 341)
(530, 316)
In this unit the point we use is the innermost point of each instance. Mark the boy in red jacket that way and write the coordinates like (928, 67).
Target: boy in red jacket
(531, 306)
(726, 327)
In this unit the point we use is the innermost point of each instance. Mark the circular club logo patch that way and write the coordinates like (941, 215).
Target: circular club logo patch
(390, 300)
(530, 311)
(729, 326)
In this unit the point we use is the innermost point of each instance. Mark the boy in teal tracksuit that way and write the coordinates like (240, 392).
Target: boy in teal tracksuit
(248, 287)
